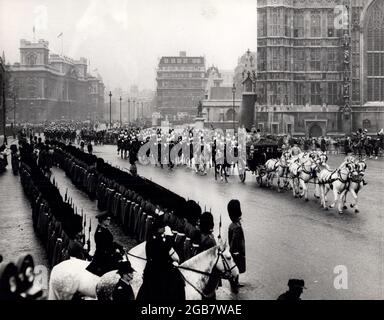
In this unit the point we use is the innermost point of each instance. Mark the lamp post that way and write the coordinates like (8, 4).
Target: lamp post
(14, 114)
(120, 111)
(142, 110)
(233, 100)
(129, 110)
(110, 109)
(2, 89)
(134, 109)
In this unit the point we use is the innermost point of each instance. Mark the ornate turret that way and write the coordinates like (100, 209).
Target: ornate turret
(247, 110)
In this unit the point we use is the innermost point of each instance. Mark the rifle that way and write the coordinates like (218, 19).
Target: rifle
(89, 236)
(84, 226)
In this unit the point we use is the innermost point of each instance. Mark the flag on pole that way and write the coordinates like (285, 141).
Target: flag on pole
(60, 34)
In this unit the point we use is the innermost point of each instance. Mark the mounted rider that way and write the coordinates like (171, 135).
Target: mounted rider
(105, 254)
(162, 281)
(295, 151)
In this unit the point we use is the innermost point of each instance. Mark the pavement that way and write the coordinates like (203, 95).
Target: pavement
(17, 236)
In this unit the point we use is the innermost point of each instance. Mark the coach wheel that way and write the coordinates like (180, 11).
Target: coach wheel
(25, 267)
(242, 176)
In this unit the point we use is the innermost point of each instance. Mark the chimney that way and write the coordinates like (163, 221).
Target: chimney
(183, 54)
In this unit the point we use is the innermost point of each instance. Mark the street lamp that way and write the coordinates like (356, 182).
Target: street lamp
(142, 110)
(14, 110)
(110, 109)
(134, 109)
(233, 97)
(120, 111)
(129, 110)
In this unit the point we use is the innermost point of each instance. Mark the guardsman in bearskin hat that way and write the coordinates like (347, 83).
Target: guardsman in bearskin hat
(207, 240)
(236, 236)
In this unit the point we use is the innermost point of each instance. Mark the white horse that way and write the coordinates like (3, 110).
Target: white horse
(337, 180)
(70, 277)
(277, 168)
(302, 170)
(356, 184)
(201, 273)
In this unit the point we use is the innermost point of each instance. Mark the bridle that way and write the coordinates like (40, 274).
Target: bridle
(226, 274)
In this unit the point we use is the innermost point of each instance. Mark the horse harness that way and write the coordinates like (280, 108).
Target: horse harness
(225, 275)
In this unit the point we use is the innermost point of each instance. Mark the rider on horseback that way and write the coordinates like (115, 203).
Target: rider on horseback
(162, 281)
(105, 254)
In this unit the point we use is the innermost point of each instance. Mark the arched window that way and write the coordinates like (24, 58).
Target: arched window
(31, 59)
(366, 124)
(230, 115)
(374, 34)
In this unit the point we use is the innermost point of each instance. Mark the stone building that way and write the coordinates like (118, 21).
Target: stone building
(52, 87)
(320, 66)
(181, 85)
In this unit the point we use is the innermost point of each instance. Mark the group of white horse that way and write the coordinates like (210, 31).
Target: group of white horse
(70, 277)
(311, 167)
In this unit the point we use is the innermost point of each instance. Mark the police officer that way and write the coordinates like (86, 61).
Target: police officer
(295, 290)
(123, 290)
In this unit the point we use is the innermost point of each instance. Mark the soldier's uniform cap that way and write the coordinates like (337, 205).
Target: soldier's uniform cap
(102, 216)
(125, 267)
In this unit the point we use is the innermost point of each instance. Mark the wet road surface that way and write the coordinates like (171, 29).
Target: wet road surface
(289, 238)
(285, 237)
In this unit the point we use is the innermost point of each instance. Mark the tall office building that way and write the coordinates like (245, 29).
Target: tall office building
(181, 83)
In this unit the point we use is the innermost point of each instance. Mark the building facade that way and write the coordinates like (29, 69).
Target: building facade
(320, 66)
(52, 87)
(181, 84)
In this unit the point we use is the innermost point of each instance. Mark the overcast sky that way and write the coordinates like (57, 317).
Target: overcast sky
(124, 39)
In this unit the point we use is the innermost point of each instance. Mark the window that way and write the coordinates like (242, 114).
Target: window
(315, 59)
(333, 96)
(273, 93)
(315, 25)
(298, 28)
(165, 60)
(275, 128)
(315, 93)
(333, 63)
(355, 90)
(275, 59)
(289, 128)
(287, 25)
(262, 24)
(299, 94)
(173, 60)
(300, 60)
(275, 23)
(366, 124)
(331, 24)
(178, 60)
(185, 60)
